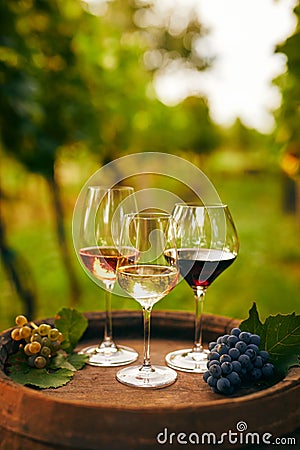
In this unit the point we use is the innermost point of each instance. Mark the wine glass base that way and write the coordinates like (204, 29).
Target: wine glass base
(109, 356)
(157, 377)
(188, 361)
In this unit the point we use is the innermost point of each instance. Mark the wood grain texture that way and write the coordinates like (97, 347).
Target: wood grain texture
(94, 411)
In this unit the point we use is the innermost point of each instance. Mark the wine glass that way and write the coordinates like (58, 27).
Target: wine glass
(207, 244)
(101, 217)
(148, 280)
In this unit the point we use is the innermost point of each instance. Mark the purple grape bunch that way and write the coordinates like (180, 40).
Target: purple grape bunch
(235, 359)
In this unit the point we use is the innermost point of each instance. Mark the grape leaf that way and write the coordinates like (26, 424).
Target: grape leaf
(282, 340)
(20, 372)
(72, 324)
(253, 324)
(280, 337)
(78, 361)
(42, 378)
(72, 361)
(60, 361)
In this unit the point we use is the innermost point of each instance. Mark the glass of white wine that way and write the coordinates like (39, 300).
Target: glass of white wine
(148, 280)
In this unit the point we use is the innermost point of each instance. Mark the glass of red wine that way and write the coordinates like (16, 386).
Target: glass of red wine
(207, 244)
(96, 246)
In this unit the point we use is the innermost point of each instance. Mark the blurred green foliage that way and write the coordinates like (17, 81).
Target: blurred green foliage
(288, 115)
(70, 76)
(76, 91)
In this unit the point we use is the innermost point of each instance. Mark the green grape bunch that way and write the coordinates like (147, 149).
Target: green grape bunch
(39, 343)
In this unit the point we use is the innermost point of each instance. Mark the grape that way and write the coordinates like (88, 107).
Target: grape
(206, 375)
(53, 334)
(40, 362)
(222, 349)
(255, 339)
(15, 334)
(44, 329)
(225, 358)
(46, 342)
(256, 374)
(224, 339)
(245, 337)
(35, 337)
(21, 320)
(265, 355)
(236, 359)
(241, 346)
(212, 381)
(45, 351)
(215, 370)
(244, 360)
(236, 365)
(232, 340)
(250, 367)
(31, 360)
(235, 332)
(251, 353)
(55, 346)
(234, 378)
(226, 368)
(243, 373)
(25, 332)
(268, 370)
(214, 361)
(60, 337)
(223, 385)
(27, 350)
(213, 355)
(211, 345)
(253, 347)
(258, 362)
(234, 353)
(34, 347)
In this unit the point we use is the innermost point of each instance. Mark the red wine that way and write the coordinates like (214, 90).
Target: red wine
(200, 267)
(102, 261)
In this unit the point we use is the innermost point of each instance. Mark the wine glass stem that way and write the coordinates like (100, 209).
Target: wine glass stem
(108, 340)
(146, 362)
(199, 303)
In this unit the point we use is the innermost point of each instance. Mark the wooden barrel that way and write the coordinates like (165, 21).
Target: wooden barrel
(94, 411)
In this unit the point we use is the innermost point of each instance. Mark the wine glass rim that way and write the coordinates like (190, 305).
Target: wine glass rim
(113, 188)
(201, 205)
(149, 215)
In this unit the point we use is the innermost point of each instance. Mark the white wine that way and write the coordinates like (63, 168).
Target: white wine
(147, 283)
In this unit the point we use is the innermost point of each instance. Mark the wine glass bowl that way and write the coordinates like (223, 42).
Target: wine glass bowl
(96, 246)
(207, 244)
(148, 280)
